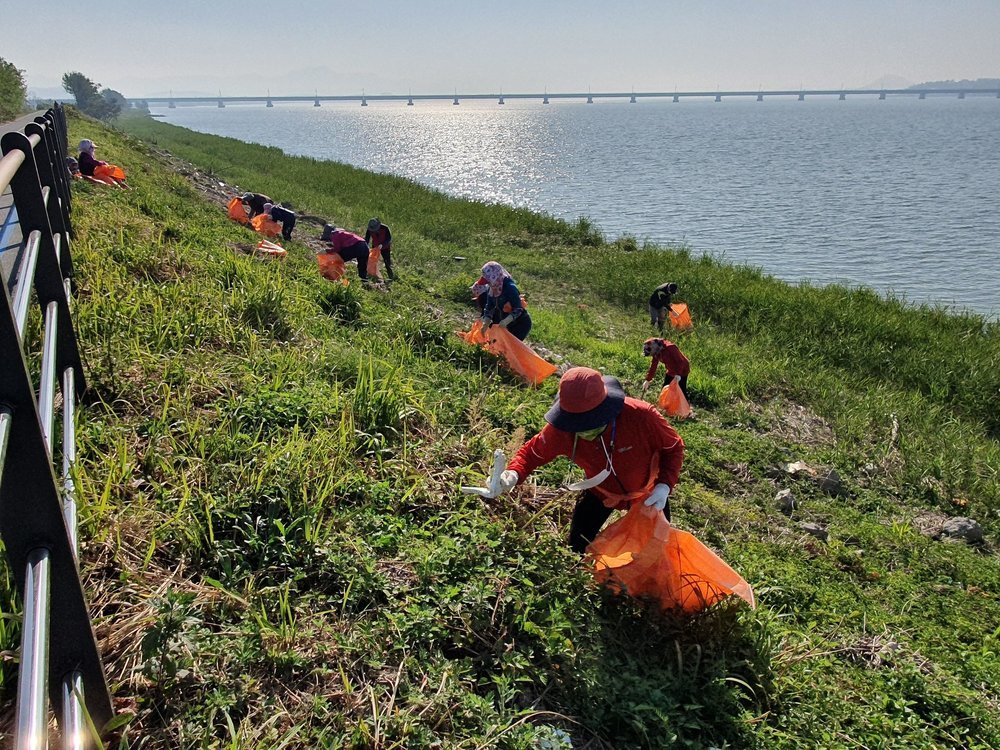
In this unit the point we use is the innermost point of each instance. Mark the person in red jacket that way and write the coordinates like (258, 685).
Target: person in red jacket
(627, 450)
(666, 353)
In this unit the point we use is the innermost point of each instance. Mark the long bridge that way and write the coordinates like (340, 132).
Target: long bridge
(545, 97)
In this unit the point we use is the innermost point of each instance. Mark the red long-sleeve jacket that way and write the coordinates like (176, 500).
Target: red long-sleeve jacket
(671, 357)
(645, 450)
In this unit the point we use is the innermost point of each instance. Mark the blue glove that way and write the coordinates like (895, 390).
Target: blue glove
(658, 497)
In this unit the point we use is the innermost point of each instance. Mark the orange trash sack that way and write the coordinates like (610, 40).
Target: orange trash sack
(680, 318)
(642, 555)
(673, 401)
(266, 247)
(102, 171)
(265, 225)
(237, 211)
(519, 356)
(374, 254)
(474, 335)
(332, 267)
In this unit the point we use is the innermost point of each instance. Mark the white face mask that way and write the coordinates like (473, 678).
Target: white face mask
(586, 484)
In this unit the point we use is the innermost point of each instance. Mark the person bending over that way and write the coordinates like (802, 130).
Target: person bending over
(378, 235)
(500, 301)
(350, 247)
(255, 202)
(628, 451)
(283, 216)
(676, 364)
(659, 303)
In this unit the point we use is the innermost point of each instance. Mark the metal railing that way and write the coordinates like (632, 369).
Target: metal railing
(59, 655)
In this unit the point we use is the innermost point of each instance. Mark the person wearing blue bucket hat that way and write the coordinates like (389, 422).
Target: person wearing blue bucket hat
(625, 447)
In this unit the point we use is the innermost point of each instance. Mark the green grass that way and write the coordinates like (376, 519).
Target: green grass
(278, 555)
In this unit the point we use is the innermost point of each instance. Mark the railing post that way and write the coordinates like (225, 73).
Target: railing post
(48, 175)
(58, 651)
(33, 214)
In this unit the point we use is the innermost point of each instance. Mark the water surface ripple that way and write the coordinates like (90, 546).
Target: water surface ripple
(899, 195)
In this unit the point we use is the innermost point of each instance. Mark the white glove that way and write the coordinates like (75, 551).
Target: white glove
(507, 321)
(484, 325)
(658, 497)
(645, 385)
(677, 378)
(501, 479)
(508, 480)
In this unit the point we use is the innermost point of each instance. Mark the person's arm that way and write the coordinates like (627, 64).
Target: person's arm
(510, 297)
(547, 445)
(652, 368)
(368, 236)
(388, 237)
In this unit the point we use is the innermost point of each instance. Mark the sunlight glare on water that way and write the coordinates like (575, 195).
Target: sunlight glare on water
(899, 195)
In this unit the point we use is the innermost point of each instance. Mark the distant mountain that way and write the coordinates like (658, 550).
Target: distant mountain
(965, 83)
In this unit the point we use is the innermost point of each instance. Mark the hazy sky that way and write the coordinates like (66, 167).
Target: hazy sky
(146, 48)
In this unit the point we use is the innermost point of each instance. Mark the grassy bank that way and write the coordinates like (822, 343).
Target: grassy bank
(279, 556)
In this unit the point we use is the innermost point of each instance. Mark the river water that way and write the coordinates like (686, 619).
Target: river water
(901, 195)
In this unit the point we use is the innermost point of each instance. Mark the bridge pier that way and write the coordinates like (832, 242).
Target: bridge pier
(632, 100)
(718, 97)
(456, 100)
(171, 105)
(270, 103)
(760, 97)
(316, 102)
(590, 99)
(676, 98)
(409, 102)
(881, 96)
(842, 97)
(500, 100)
(923, 95)
(222, 104)
(961, 94)
(802, 97)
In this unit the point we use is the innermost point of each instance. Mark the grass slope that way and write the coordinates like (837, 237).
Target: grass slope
(278, 554)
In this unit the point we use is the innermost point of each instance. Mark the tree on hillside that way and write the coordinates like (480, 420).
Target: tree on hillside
(104, 105)
(12, 91)
(114, 99)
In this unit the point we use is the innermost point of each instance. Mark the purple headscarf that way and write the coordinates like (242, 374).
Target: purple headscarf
(495, 274)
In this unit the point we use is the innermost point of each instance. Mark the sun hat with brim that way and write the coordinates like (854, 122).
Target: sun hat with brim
(586, 400)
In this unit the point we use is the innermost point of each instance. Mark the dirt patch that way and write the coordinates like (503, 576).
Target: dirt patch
(308, 227)
(793, 423)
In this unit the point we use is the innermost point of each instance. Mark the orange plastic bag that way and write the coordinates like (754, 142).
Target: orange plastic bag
(237, 212)
(474, 335)
(374, 254)
(642, 555)
(266, 225)
(680, 318)
(269, 248)
(673, 401)
(332, 267)
(109, 170)
(519, 356)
